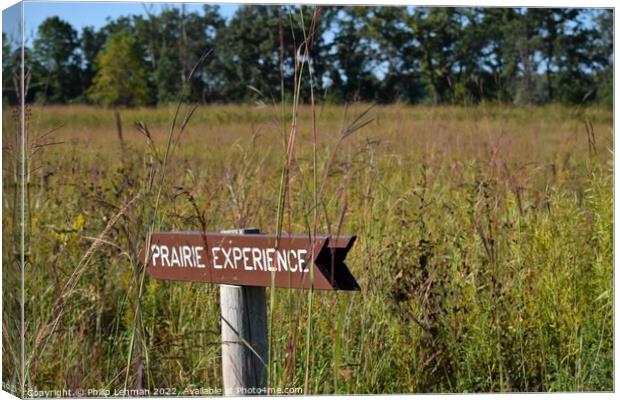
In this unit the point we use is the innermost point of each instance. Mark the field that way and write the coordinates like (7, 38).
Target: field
(484, 247)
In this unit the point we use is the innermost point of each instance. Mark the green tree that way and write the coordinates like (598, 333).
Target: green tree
(399, 55)
(55, 50)
(436, 31)
(470, 81)
(248, 53)
(576, 60)
(604, 50)
(374, 53)
(499, 56)
(262, 47)
(8, 71)
(161, 34)
(354, 55)
(120, 78)
(92, 42)
(175, 40)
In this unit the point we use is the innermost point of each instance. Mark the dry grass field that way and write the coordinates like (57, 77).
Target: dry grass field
(484, 247)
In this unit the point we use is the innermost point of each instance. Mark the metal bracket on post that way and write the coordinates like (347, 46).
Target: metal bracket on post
(245, 356)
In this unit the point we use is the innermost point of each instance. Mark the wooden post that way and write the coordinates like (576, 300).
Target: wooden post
(244, 337)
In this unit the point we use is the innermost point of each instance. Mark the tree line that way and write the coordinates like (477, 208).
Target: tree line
(439, 55)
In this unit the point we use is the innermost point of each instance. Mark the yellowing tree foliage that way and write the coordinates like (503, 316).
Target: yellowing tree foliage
(120, 78)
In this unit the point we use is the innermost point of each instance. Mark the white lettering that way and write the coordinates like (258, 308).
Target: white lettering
(174, 258)
(301, 260)
(198, 255)
(282, 260)
(227, 256)
(237, 256)
(246, 258)
(155, 253)
(215, 264)
(257, 257)
(164, 256)
(269, 256)
(293, 265)
(187, 256)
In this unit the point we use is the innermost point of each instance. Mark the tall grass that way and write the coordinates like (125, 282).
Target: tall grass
(484, 250)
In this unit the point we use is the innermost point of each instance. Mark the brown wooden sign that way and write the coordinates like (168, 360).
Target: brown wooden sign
(292, 261)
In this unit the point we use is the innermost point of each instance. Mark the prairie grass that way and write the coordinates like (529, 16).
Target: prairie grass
(484, 246)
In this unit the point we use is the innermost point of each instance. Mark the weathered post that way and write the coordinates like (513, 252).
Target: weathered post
(244, 336)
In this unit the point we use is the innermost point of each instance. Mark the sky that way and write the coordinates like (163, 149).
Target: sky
(10, 22)
(89, 13)
(81, 14)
